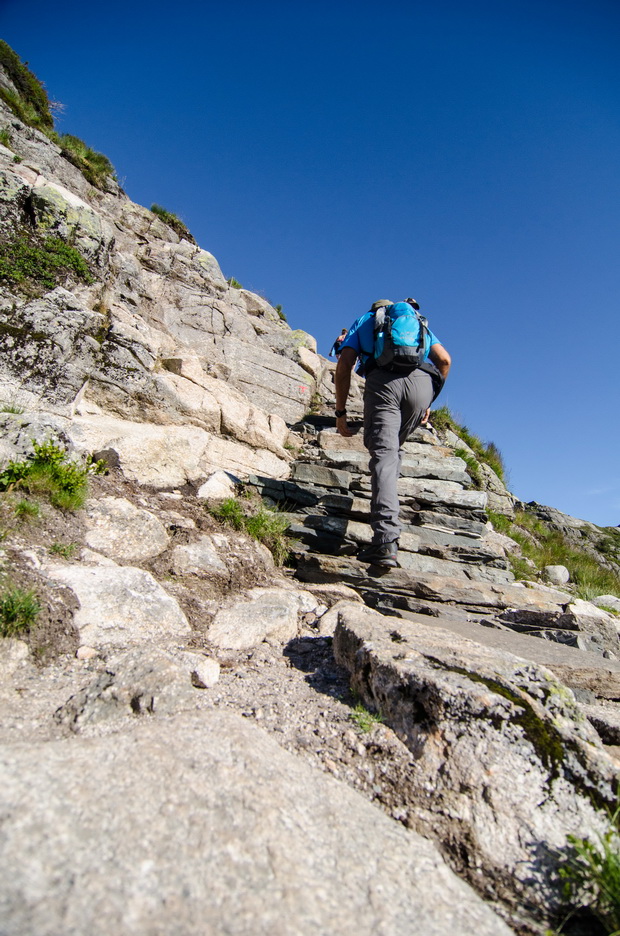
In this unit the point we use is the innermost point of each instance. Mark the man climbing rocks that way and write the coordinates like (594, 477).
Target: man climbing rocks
(397, 399)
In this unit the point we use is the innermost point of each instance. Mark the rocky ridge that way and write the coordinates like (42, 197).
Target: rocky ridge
(179, 686)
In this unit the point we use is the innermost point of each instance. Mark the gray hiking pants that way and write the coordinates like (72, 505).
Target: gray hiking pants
(394, 405)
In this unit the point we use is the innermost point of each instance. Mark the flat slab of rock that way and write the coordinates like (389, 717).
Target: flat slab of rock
(262, 614)
(322, 476)
(578, 669)
(122, 531)
(141, 681)
(505, 764)
(200, 558)
(121, 606)
(203, 824)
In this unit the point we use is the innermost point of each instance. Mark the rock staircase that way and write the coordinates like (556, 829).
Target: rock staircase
(454, 568)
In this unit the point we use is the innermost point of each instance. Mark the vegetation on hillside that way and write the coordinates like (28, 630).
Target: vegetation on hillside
(172, 221)
(94, 166)
(30, 103)
(543, 545)
(39, 263)
(486, 452)
(49, 473)
(262, 524)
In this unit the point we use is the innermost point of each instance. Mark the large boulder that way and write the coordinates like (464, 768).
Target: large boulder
(504, 765)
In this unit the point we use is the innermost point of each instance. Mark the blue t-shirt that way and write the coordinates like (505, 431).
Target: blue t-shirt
(361, 336)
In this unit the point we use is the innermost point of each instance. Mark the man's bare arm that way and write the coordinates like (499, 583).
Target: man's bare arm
(441, 359)
(342, 381)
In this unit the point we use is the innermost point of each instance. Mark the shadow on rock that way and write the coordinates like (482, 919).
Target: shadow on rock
(314, 656)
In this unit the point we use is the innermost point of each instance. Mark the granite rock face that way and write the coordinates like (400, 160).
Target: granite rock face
(154, 300)
(291, 851)
(504, 766)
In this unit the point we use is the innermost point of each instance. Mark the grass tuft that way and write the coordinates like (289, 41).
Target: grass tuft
(66, 550)
(18, 611)
(364, 719)
(591, 875)
(488, 453)
(264, 525)
(26, 510)
(94, 166)
(471, 465)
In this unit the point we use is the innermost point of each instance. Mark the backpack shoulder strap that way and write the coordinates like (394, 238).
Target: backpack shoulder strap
(423, 322)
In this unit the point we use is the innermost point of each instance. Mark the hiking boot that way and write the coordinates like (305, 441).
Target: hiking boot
(380, 554)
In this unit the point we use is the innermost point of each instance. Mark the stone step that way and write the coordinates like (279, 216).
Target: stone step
(431, 536)
(448, 492)
(288, 491)
(483, 595)
(354, 530)
(420, 564)
(433, 447)
(443, 468)
(440, 521)
(321, 476)
(332, 440)
(357, 508)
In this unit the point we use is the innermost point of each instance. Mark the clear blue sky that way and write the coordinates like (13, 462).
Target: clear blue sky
(333, 153)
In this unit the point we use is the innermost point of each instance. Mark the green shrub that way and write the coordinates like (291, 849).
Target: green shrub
(33, 262)
(5, 137)
(172, 221)
(265, 525)
(281, 314)
(591, 874)
(18, 611)
(234, 283)
(48, 472)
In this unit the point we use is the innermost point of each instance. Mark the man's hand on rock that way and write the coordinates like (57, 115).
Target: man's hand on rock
(342, 427)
